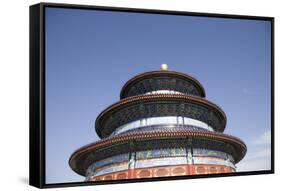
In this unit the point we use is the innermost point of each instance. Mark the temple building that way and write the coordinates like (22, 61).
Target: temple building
(162, 126)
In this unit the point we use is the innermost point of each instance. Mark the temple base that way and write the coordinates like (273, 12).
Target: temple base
(179, 170)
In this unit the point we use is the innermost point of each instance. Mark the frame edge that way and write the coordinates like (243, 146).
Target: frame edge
(35, 128)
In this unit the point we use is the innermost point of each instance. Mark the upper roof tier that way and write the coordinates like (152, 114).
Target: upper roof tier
(162, 81)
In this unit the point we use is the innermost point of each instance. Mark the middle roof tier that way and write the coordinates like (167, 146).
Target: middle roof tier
(198, 111)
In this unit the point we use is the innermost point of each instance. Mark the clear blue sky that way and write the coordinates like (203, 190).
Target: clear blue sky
(91, 54)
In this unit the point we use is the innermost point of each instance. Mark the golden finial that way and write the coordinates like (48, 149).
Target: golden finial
(164, 67)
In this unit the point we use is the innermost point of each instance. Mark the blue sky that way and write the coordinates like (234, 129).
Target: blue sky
(91, 54)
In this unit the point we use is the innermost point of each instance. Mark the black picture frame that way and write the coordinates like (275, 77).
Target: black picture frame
(37, 93)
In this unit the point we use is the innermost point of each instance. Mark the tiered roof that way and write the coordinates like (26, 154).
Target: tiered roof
(145, 96)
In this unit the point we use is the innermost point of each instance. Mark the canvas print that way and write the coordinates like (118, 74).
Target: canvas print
(138, 96)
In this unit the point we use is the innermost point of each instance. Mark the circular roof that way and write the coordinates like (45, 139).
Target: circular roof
(162, 80)
(85, 156)
(156, 105)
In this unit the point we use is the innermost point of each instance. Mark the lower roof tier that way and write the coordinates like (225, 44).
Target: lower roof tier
(87, 155)
(158, 105)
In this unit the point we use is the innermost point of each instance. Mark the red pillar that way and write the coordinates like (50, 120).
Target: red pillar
(131, 173)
